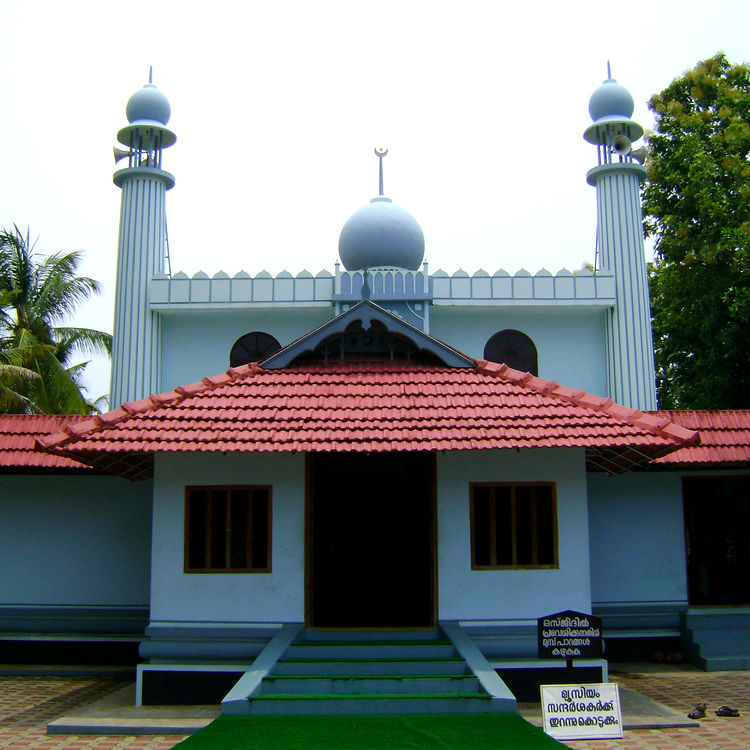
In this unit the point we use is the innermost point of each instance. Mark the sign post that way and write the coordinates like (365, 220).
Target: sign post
(575, 711)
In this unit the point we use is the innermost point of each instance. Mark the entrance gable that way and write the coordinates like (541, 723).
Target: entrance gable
(371, 318)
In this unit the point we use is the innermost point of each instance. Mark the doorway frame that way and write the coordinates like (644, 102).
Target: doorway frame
(433, 541)
(689, 532)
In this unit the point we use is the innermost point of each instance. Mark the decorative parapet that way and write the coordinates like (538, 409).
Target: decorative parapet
(240, 290)
(584, 287)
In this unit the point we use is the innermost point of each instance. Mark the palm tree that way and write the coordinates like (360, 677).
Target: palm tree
(36, 374)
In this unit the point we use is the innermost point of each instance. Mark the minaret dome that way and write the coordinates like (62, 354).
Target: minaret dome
(611, 100)
(148, 106)
(611, 107)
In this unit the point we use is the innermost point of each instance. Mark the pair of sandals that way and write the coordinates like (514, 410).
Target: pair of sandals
(699, 712)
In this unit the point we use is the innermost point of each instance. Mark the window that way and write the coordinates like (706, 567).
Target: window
(514, 349)
(227, 529)
(253, 347)
(513, 525)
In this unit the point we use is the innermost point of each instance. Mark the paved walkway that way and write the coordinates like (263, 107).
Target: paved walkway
(681, 689)
(28, 704)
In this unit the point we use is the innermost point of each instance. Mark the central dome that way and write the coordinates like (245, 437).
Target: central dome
(381, 234)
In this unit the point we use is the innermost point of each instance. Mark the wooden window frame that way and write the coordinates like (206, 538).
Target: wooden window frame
(207, 532)
(514, 535)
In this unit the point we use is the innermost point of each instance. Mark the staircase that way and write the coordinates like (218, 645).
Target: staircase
(369, 672)
(717, 638)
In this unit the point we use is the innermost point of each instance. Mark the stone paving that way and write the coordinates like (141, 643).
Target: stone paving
(28, 703)
(681, 690)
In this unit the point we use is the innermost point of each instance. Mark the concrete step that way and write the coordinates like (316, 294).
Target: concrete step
(422, 634)
(718, 619)
(717, 638)
(380, 703)
(352, 684)
(361, 667)
(724, 663)
(370, 650)
(721, 646)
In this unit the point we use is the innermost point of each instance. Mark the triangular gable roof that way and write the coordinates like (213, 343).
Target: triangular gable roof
(367, 406)
(366, 312)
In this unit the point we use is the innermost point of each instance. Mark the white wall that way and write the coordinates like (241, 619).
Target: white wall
(74, 540)
(229, 597)
(637, 538)
(466, 594)
(569, 343)
(198, 344)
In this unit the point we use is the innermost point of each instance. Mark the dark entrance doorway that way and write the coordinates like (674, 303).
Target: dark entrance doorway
(370, 552)
(717, 536)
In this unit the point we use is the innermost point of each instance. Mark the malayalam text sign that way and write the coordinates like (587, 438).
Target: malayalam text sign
(569, 635)
(582, 712)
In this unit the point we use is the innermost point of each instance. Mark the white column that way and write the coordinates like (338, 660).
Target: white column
(136, 361)
(630, 349)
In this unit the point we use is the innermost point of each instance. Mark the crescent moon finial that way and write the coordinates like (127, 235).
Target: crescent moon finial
(380, 153)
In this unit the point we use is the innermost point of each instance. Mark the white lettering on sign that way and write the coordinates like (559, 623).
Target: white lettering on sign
(581, 712)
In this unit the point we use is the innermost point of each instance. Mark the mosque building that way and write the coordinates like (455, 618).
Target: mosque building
(380, 472)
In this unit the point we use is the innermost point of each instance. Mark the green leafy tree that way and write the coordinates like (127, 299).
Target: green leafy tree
(36, 373)
(696, 203)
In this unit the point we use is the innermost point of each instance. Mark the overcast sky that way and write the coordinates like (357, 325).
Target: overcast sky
(277, 107)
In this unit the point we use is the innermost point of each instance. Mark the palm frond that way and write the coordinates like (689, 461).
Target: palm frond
(86, 340)
(13, 381)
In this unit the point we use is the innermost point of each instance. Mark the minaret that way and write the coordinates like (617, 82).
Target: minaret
(617, 179)
(136, 356)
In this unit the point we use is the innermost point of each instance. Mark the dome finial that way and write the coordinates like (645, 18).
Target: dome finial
(150, 73)
(609, 71)
(380, 153)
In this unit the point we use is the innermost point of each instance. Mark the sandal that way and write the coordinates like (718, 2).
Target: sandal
(698, 712)
(727, 711)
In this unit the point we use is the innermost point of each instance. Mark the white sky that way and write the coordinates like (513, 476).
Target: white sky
(277, 107)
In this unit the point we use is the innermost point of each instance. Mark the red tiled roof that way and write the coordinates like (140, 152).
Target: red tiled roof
(725, 438)
(368, 406)
(18, 436)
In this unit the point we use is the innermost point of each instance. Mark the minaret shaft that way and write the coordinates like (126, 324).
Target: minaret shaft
(630, 352)
(136, 366)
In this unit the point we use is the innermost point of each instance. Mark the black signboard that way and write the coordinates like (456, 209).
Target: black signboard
(569, 635)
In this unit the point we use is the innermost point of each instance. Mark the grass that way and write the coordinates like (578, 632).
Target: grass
(393, 732)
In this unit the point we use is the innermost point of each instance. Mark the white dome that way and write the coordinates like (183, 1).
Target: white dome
(148, 105)
(381, 234)
(611, 100)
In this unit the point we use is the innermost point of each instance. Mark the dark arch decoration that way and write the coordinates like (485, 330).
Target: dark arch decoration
(376, 339)
(253, 347)
(514, 349)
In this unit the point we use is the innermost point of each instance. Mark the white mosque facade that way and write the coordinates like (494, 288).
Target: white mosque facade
(391, 449)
